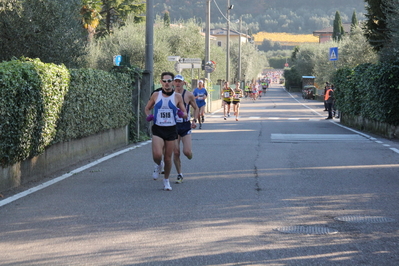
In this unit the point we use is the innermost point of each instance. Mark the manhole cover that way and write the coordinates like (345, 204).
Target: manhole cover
(307, 230)
(364, 219)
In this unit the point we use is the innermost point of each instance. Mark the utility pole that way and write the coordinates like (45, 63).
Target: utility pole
(208, 48)
(148, 74)
(239, 51)
(149, 45)
(229, 7)
(207, 36)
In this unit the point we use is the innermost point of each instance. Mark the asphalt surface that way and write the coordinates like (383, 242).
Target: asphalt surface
(281, 186)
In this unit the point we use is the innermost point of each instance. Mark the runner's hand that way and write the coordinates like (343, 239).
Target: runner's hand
(180, 113)
(150, 117)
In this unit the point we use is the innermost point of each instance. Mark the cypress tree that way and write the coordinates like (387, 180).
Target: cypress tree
(166, 19)
(355, 22)
(338, 30)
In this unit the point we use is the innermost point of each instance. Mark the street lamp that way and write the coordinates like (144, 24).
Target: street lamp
(229, 7)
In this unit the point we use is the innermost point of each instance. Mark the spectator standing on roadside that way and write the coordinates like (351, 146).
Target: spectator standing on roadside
(200, 95)
(167, 104)
(325, 90)
(334, 108)
(329, 99)
(184, 126)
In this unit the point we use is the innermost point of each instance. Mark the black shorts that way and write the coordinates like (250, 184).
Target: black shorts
(165, 133)
(184, 128)
(228, 102)
(235, 102)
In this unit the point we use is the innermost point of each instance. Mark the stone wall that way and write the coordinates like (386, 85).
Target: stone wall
(379, 128)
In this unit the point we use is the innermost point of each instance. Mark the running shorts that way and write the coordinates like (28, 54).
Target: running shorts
(165, 133)
(184, 128)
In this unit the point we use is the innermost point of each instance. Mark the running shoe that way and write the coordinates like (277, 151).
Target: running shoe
(228, 115)
(157, 170)
(179, 179)
(166, 185)
(224, 118)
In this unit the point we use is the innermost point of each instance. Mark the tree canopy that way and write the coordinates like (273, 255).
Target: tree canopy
(47, 29)
(376, 26)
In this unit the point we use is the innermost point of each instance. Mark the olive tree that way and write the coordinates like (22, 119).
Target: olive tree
(354, 49)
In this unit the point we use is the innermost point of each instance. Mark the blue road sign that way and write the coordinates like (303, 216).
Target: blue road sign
(333, 54)
(117, 60)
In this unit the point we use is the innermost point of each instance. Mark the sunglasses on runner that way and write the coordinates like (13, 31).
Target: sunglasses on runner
(167, 80)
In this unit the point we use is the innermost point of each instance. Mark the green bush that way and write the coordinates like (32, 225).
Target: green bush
(292, 77)
(42, 104)
(31, 98)
(369, 90)
(96, 101)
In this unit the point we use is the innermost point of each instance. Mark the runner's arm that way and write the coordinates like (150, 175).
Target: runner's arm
(193, 103)
(180, 104)
(150, 104)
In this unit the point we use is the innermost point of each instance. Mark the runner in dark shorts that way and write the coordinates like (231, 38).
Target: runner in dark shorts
(184, 128)
(165, 133)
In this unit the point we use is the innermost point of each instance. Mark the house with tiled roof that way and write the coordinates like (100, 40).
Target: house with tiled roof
(221, 36)
(325, 35)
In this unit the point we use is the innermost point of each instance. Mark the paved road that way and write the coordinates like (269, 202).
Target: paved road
(282, 186)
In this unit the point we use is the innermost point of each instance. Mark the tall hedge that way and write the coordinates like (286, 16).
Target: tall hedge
(96, 101)
(369, 90)
(42, 104)
(31, 98)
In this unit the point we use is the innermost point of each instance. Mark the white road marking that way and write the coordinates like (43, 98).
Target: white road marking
(65, 176)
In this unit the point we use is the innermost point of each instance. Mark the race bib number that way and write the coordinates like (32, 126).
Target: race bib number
(226, 94)
(200, 96)
(165, 117)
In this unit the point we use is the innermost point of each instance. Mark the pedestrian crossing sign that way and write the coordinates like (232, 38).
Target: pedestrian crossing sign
(333, 53)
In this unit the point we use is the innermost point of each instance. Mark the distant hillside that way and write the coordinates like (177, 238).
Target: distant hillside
(292, 16)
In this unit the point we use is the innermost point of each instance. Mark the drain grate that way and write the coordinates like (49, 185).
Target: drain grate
(364, 219)
(307, 230)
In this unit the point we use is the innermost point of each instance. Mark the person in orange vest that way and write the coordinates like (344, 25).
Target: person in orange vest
(329, 99)
(325, 89)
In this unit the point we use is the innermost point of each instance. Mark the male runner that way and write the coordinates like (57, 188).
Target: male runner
(166, 104)
(227, 95)
(237, 99)
(200, 95)
(184, 126)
